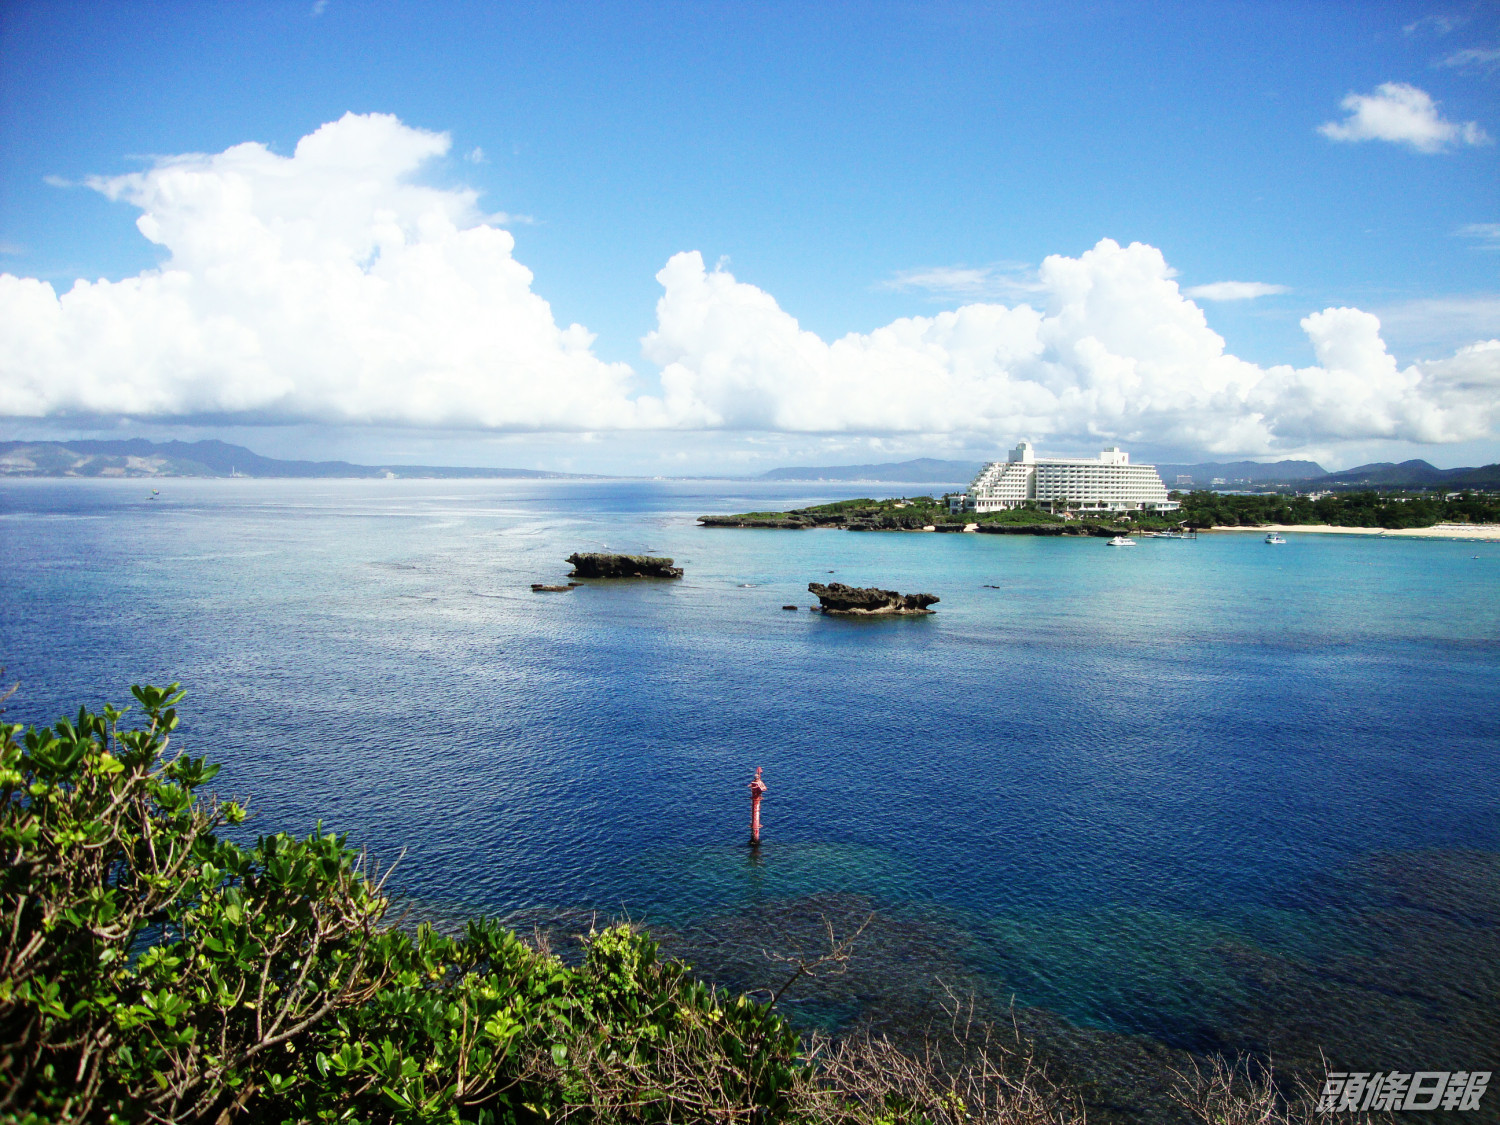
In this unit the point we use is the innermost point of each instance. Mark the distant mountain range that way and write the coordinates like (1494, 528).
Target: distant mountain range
(1410, 474)
(138, 457)
(927, 470)
(1239, 472)
(1308, 475)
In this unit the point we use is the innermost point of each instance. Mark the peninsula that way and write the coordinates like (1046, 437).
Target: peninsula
(1434, 515)
(1025, 492)
(919, 513)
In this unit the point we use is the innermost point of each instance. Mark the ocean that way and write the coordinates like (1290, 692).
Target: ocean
(1187, 797)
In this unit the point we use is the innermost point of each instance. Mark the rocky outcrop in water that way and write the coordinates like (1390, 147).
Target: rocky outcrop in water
(595, 565)
(838, 598)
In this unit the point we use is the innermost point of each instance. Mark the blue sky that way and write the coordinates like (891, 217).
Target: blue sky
(850, 164)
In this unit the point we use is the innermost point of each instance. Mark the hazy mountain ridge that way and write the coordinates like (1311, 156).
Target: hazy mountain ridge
(1414, 474)
(142, 458)
(1241, 472)
(928, 470)
(139, 457)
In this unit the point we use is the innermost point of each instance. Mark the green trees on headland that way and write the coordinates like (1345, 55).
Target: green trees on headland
(1338, 509)
(1199, 509)
(905, 514)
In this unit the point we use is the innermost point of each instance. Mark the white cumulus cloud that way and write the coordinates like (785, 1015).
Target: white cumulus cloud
(1402, 114)
(1114, 351)
(325, 285)
(331, 286)
(1233, 290)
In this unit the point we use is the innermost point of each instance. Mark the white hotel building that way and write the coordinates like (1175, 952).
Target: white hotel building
(1107, 483)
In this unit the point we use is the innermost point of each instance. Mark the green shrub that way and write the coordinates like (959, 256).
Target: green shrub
(1345, 509)
(153, 971)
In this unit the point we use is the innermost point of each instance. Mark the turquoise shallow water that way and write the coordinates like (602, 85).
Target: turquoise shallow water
(1171, 791)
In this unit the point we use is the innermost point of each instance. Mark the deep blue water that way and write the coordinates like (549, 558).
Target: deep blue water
(1106, 773)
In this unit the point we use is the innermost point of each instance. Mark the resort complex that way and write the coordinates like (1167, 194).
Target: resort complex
(1107, 483)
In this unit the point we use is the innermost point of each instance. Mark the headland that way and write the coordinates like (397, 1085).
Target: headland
(1473, 516)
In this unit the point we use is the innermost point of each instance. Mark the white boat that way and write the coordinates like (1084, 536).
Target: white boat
(1122, 541)
(1274, 538)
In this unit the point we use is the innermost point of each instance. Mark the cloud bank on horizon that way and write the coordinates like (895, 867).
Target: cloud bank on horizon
(329, 286)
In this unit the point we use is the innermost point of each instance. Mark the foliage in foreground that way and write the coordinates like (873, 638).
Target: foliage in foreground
(153, 971)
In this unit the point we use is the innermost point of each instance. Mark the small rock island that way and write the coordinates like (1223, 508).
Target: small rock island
(595, 565)
(868, 600)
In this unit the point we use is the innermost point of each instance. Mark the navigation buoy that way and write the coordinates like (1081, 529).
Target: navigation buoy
(757, 791)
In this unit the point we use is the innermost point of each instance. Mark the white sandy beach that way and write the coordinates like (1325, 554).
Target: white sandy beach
(1489, 532)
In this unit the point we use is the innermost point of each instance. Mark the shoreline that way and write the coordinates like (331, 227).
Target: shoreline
(1479, 532)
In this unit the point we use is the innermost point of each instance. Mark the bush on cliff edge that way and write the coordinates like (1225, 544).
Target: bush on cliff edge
(152, 971)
